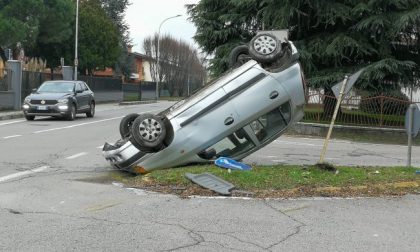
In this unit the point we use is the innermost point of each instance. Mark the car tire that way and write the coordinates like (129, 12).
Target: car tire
(239, 56)
(72, 114)
(29, 118)
(126, 123)
(91, 112)
(265, 48)
(148, 132)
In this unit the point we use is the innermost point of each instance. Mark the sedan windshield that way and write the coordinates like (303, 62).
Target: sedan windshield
(56, 87)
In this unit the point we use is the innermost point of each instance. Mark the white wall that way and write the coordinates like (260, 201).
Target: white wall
(147, 74)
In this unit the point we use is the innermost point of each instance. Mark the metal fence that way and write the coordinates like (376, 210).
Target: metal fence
(31, 80)
(370, 110)
(99, 84)
(140, 91)
(5, 79)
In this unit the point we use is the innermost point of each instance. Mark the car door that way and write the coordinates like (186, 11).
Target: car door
(261, 131)
(259, 93)
(81, 97)
(88, 92)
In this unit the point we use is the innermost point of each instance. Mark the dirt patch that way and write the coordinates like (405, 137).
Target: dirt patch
(394, 189)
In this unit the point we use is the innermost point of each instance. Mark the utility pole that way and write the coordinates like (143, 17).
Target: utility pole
(76, 60)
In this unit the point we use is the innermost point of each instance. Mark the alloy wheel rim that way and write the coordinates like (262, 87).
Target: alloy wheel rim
(150, 129)
(265, 45)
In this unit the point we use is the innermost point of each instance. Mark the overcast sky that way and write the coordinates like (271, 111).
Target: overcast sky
(145, 16)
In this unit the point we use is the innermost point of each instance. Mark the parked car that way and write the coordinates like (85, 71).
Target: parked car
(60, 99)
(247, 108)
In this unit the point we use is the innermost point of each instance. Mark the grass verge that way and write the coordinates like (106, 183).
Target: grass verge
(285, 181)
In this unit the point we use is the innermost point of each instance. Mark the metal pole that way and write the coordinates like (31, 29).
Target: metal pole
(158, 55)
(337, 106)
(410, 132)
(76, 60)
(188, 86)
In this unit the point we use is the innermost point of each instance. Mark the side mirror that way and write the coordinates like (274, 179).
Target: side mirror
(79, 91)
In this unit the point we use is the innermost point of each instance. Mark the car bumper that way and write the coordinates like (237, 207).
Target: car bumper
(45, 110)
(122, 155)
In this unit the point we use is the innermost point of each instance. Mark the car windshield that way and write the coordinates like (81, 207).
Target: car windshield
(56, 87)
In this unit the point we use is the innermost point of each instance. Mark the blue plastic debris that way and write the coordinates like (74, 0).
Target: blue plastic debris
(229, 163)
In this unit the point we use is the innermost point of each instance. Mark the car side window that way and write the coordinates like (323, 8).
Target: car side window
(230, 146)
(271, 123)
(79, 87)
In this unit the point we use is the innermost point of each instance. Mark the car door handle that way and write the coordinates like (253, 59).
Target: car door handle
(229, 120)
(274, 94)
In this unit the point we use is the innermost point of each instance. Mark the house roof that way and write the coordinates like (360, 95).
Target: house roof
(142, 56)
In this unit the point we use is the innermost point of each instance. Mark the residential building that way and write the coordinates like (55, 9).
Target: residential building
(142, 68)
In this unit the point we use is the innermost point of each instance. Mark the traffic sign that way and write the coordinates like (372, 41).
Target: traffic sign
(415, 120)
(350, 82)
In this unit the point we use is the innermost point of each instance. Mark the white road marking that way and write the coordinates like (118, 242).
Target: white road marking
(77, 155)
(24, 173)
(77, 125)
(297, 143)
(277, 199)
(7, 123)
(278, 160)
(100, 147)
(7, 137)
(87, 123)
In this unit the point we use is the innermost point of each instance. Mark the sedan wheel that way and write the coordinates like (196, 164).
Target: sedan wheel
(126, 124)
(29, 118)
(148, 132)
(265, 48)
(91, 112)
(239, 56)
(72, 115)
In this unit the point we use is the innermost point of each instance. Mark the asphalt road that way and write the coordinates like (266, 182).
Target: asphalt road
(53, 197)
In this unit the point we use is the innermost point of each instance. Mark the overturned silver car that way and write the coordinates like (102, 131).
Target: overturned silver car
(234, 116)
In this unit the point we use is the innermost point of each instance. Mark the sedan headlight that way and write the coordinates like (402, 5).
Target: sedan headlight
(65, 100)
(27, 100)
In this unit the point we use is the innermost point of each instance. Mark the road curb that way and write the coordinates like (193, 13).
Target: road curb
(137, 102)
(11, 116)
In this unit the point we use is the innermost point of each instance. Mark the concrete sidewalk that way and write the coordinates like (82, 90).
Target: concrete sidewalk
(7, 115)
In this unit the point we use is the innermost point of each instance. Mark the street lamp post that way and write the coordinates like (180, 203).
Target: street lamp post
(158, 55)
(76, 60)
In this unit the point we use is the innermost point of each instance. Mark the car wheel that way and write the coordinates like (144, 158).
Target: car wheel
(29, 118)
(91, 112)
(72, 114)
(239, 56)
(148, 131)
(126, 124)
(265, 48)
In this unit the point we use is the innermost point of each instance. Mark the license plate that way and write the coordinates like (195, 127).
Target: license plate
(42, 107)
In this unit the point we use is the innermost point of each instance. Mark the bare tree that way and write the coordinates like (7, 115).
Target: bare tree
(181, 70)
